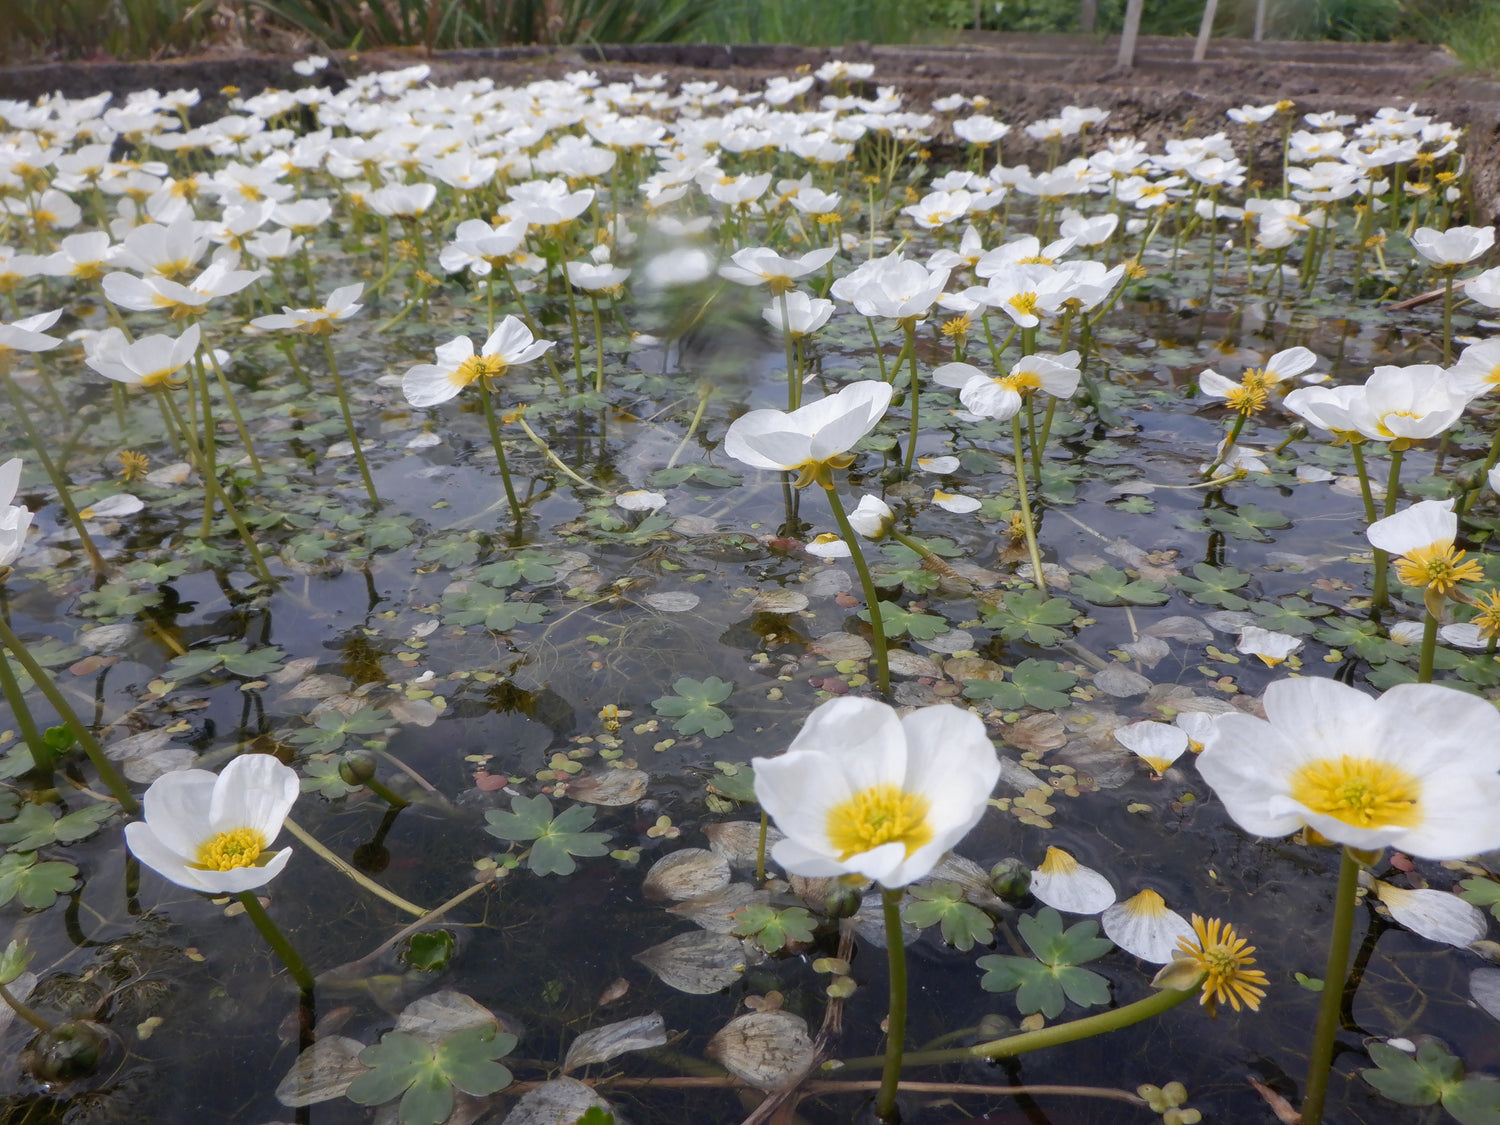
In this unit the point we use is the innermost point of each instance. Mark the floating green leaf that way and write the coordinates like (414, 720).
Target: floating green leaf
(1111, 586)
(1034, 683)
(424, 1077)
(1214, 585)
(555, 841)
(695, 706)
(490, 607)
(773, 928)
(1419, 1080)
(1031, 615)
(896, 621)
(963, 924)
(1045, 984)
(37, 885)
(1483, 893)
(1248, 521)
(36, 827)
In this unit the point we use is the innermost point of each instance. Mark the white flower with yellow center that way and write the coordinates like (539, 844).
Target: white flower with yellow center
(863, 792)
(510, 345)
(1065, 884)
(1414, 769)
(1421, 537)
(811, 441)
(210, 832)
(1143, 925)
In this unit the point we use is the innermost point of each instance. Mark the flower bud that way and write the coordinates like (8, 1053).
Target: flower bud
(1011, 879)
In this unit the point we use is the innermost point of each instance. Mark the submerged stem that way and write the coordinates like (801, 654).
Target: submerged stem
(1321, 1058)
(856, 553)
(276, 940)
(895, 1042)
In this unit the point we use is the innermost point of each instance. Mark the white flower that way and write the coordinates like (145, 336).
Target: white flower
(1421, 537)
(861, 791)
(1143, 925)
(150, 361)
(1414, 769)
(317, 321)
(14, 518)
(209, 832)
(1065, 884)
(1406, 403)
(1454, 246)
(511, 344)
(804, 314)
(813, 439)
(758, 265)
(873, 518)
(1484, 288)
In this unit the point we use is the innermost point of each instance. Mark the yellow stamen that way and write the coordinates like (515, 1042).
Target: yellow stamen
(1224, 957)
(882, 814)
(477, 367)
(1361, 792)
(239, 847)
(1439, 566)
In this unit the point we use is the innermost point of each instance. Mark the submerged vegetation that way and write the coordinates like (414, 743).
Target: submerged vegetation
(442, 518)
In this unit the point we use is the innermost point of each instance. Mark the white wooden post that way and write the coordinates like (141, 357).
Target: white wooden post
(1088, 15)
(1129, 33)
(1205, 30)
(1260, 20)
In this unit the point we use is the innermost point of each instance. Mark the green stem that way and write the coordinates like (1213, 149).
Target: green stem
(26, 1013)
(30, 733)
(895, 1041)
(1069, 1032)
(314, 846)
(96, 560)
(577, 342)
(1448, 318)
(598, 346)
(856, 553)
(1321, 1059)
(211, 483)
(760, 849)
(386, 793)
(793, 384)
(1234, 436)
(234, 409)
(557, 462)
(107, 772)
(916, 390)
(1036, 556)
(705, 392)
(1357, 449)
(338, 386)
(276, 940)
(487, 398)
(1429, 649)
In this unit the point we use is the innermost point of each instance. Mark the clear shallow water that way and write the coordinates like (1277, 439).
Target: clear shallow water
(355, 603)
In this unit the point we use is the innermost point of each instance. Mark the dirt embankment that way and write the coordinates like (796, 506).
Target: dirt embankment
(1165, 94)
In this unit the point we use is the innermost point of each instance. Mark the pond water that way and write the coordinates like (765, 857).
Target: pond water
(631, 661)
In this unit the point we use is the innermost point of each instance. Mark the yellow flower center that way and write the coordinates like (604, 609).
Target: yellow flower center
(1024, 303)
(1386, 431)
(882, 814)
(820, 471)
(1439, 566)
(780, 284)
(1034, 260)
(1251, 395)
(1224, 956)
(477, 367)
(1361, 792)
(239, 847)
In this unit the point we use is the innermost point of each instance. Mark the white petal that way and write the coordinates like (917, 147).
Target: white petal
(1436, 915)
